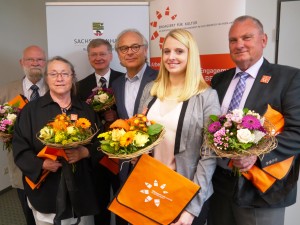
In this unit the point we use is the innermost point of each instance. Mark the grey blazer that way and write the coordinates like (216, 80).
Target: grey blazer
(189, 139)
(8, 92)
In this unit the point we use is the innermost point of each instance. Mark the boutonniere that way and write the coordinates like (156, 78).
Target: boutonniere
(265, 79)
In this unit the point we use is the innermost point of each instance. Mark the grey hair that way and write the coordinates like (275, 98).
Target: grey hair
(131, 30)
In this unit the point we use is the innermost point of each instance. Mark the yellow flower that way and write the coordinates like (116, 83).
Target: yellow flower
(116, 134)
(46, 133)
(71, 130)
(140, 139)
(83, 123)
(106, 135)
(127, 138)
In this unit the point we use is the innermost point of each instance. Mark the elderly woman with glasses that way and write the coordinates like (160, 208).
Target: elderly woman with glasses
(66, 195)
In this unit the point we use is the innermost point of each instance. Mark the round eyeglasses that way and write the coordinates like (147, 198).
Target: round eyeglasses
(134, 48)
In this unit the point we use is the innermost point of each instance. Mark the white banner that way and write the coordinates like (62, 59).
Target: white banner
(209, 22)
(71, 26)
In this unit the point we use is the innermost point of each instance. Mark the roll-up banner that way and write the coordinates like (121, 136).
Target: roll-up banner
(71, 26)
(209, 22)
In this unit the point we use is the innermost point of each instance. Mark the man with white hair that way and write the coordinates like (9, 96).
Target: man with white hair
(31, 86)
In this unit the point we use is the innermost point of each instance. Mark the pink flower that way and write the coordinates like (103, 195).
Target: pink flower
(250, 122)
(214, 127)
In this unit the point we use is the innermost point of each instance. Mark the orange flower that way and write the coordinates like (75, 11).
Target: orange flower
(127, 138)
(83, 123)
(59, 125)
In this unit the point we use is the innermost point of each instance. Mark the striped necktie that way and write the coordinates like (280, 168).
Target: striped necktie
(238, 91)
(102, 82)
(35, 94)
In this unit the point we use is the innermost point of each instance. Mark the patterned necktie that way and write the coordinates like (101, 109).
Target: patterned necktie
(35, 94)
(238, 91)
(102, 82)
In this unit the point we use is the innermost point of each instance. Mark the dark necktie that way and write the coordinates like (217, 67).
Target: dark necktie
(238, 91)
(35, 94)
(102, 82)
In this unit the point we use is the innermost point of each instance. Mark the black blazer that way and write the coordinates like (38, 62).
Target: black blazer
(119, 90)
(282, 92)
(85, 86)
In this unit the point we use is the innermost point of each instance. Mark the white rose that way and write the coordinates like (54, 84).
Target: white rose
(237, 115)
(245, 136)
(140, 139)
(103, 98)
(116, 134)
(11, 117)
(46, 133)
(71, 130)
(258, 136)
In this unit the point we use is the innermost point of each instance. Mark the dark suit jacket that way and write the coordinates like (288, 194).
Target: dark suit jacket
(85, 86)
(119, 90)
(282, 92)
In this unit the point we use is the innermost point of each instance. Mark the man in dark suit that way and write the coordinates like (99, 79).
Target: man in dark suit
(132, 48)
(100, 56)
(236, 200)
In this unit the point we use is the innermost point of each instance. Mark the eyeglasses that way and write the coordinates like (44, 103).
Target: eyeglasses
(135, 48)
(63, 74)
(31, 60)
(102, 55)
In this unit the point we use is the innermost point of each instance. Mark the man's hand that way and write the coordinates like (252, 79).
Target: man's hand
(244, 163)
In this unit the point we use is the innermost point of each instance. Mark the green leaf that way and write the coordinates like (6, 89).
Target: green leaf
(214, 118)
(154, 129)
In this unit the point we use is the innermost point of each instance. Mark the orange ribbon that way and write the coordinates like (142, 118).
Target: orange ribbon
(111, 164)
(46, 153)
(264, 178)
(20, 101)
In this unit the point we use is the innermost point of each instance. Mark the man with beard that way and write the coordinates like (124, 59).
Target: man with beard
(31, 86)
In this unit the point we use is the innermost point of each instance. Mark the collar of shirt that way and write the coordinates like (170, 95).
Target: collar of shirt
(27, 84)
(106, 76)
(252, 71)
(138, 76)
(47, 100)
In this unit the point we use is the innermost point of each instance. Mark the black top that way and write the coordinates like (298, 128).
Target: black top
(33, 117)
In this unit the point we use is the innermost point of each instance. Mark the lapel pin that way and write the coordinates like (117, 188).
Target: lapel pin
(265, 79)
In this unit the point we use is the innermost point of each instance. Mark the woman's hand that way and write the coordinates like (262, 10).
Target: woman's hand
(51, 165)
(76, 154)
(185, 219)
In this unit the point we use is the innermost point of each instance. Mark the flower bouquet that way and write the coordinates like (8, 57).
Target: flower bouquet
(64, 132)
(101, 99)
(240, 133)
(8, 116)
(131, 138)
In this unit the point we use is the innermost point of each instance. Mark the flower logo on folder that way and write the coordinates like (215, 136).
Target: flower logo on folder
(153, 193)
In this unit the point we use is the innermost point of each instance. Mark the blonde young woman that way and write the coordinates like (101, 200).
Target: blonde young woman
(181, 100)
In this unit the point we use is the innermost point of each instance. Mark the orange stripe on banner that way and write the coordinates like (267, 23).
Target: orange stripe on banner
(210, 64)
(215, 63)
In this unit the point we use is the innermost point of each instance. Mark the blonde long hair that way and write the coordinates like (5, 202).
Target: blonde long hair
(194, 81)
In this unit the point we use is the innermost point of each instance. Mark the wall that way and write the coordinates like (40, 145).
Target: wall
(23, 23)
